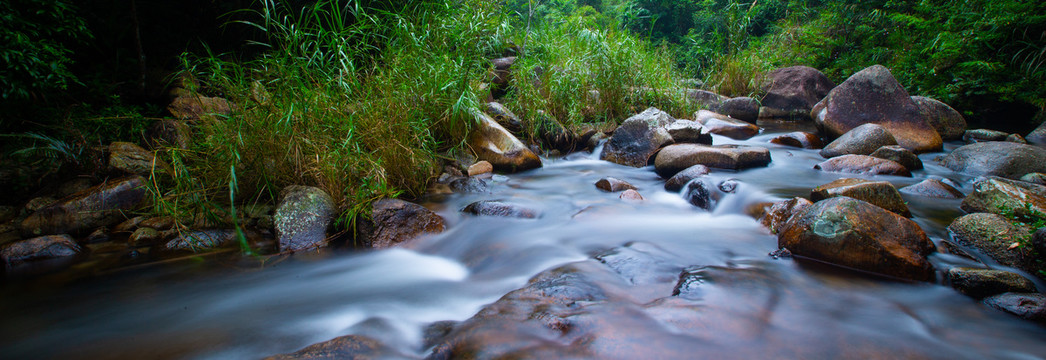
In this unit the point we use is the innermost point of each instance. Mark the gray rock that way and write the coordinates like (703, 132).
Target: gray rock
(948, 122)
(501, 77)
(861, 140)
(899, 155)
(677, 181)
(704, 98)
(699, 193)
(720, 124)
(979, 283)
(39, 248)
(1026, 306)
(741, 108)
(933, 188)
(981, 135)
(504, 117)
(638, 138)
(1037, 136)
(862, 164)
(101, 205)
(302, 217)
(1034, 178)
(792, 91)
(202, 240)
(1016, 138)
(1005, 159)
(674, 158)
(501, 209)
(873, 96)
(687, 131)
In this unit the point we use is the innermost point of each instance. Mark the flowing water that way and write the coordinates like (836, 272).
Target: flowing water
(250, 309)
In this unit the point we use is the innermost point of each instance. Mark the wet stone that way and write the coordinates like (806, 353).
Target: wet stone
(878, 193)
(980, 135)
(778, 214)
(900, 155)
(699, 193)
(862, 164)
(202, 240)
(480, 168)
(39, 248)
(397, 221)
(500, 209)
(144, 236)
(798, 139)
(610, 184)
(979, 283)
(302, 217)
(687, 131)
(1024, 305)
(862, 140)
(677, 181)
(631, 195)
(933, 188)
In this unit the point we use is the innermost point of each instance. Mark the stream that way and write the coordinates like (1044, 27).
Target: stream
(243, 307)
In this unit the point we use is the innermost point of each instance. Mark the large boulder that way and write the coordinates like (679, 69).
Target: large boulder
(873, 96)
(302, 217)
(979, 283)
(720, 124)
(1005, 159)
(799, 139)
(493, 143)
(859, 235)
(1003, 196)
(933, 188)
(397, 221)
(993, 235)
(792, 91)
(862, 164)
(948, 122)
(638, 138)
(101, 205)
(674, 158)
(38, 248)
(880, 193)
(742, 108)
(861, 140)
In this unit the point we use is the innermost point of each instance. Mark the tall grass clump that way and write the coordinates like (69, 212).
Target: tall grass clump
(577, 73)
(356, 98)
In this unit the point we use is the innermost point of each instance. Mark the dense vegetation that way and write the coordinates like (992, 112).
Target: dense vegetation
(367, 98)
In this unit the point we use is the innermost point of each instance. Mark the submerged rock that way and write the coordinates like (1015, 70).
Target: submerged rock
(862, 140)
(878, 193)
(39, 248)
(873, 96)
(638, 138)
(610, 184)
(396, 221)
(699, 193)
(631, 195)
(302, 218)
(859, 235)
(101, 205)
(1005, 159)
(798, 139)
(948, 122)
(862, 164)
(674, 158)
(503, 150)
(502, 209)
(979, 283)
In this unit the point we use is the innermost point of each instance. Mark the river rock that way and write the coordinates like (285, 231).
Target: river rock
(1000, 196)
(631, 195)
(1028, 306)
(674, 158)
(493, 143)
(862, 140)
(39, 248)
(129, 158)
(1016, 138)
(742, 108)
(480, 168)
(979, 283)
(879, 193)
(799, 139)
(982, 135)
(504, 117)
(194, 107)
(900, 155)
(158, 223)
(144, 236)
(873, 96)
(610, 184)
(98, 206)
(859, 235)
(949, 123)
(777, 215)
(501, 76)
(302, 217)
(1034, 178)
(792, 91)
(726, 126)
(704, 98)
(1037, 136)
(344, 347)
(933, 188)
(397, 221)
(862, 164)
(992, 235)
(202, 240)
(168, 133)
(700, 193)
(1005, 159)
(638, 138)
(677, 181)
(687, 131)
(499, 208)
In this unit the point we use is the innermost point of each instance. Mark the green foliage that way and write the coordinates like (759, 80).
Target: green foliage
(35, 40)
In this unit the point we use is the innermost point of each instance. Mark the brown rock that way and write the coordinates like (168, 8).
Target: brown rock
(638, 138)
(792, 91)
(948, 122)
(674, 158)
(397, 221)
(502, 209)
(345, 347)
(861, 140)
(778, 213)
(873, 96)
(169, 133)
(992, 235)
(798, 139)
(191, 107)
(1001, 196)
(505, 152)
(631, 195)
(979, 283)
(859, 235)
(504, 117)
(900, 155)
(101, 205)
(677, 181)
(480, 168)
(610, 184)
(687, 131)
(726, 126)
(862, 164)
(132, 159)
(878, 193)
(933, 188)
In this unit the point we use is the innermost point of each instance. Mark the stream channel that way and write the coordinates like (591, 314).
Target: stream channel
(241, 307)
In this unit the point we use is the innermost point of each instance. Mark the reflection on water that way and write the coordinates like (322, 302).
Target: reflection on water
(204, 311)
